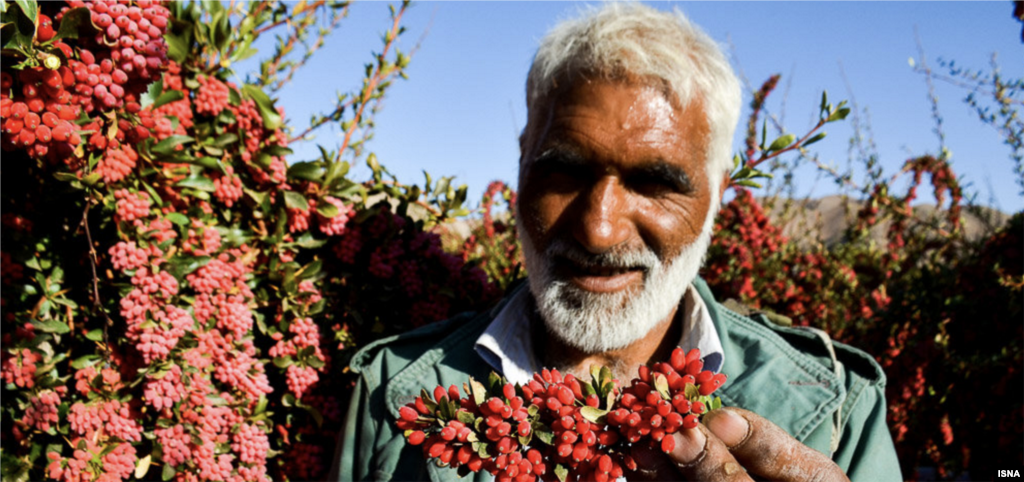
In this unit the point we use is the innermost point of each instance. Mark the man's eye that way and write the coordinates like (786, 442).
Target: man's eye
(652, 185)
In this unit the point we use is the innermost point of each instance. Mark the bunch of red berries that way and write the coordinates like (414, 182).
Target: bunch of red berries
(662, 401)
(558, 427)
(40, 112)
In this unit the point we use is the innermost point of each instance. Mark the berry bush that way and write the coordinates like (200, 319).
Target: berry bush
(178, 301)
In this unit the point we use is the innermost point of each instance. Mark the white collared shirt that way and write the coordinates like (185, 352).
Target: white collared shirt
(507, 345)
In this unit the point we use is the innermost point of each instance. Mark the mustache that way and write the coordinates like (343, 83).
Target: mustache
(626, 258)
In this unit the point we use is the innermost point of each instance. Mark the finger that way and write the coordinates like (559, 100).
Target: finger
(652, 464)
(698, 455)
(767, 450)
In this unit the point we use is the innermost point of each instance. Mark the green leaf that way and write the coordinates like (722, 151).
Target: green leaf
(561, 472)
(142, 466)
(94, 335)
(199, 183)
(478, 390)
(210, 163)
(85, 361)
(661, 385)
(543, 433)
(167, 145)
(308, 171)
(327, 209)
(283, 361)
(168, 472)
(587, 389)
(782, 143)
(595, 374)
(595, 415)
(30, 9)
(92, 179)
(225, 139)
(7, 31)
(271, 119)
(839, 114)
(295, 200)
(177, 218)
(817, 137)
(606, 376)
(51, 326)
(307, 241)
(824, 102)
(179, 40)
(310, 270)
(276, 150)
(716, 403)
(72, 22)
(691, 391)
(749, 183)
(466, 418)
(168, 97)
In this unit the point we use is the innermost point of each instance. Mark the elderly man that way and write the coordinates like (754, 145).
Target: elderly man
(624, 160)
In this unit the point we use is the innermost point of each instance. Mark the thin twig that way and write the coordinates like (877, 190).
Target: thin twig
(93, 261)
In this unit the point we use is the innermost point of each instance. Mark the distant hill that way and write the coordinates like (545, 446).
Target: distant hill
(827, 218)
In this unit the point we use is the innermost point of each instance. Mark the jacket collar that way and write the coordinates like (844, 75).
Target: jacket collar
(770, 377)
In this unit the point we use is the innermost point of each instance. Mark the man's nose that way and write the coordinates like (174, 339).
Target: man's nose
(603, 216)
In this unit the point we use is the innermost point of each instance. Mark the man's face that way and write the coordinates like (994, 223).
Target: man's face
(613, 209)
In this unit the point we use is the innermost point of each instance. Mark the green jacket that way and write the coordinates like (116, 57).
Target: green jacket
(826, 395)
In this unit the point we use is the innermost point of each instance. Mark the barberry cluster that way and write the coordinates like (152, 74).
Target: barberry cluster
(557, 427)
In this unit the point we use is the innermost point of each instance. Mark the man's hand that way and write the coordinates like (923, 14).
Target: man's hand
(733, 445)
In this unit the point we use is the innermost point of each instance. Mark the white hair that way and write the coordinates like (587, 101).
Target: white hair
(622, 41)
(595, 322)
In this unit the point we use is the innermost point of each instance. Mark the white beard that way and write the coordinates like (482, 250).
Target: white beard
(595, 322)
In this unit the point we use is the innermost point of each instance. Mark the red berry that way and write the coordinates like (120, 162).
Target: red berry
(690, 421)
(668, 444)
(436, 449)
(408, 413)
(13, 126)
(416, 437)
(19, 110)
(697, 407)
(32, 120)
(449, 433)
(495, 404)
(44, 29)
(43, 134)
(678, 359)
(565, 395)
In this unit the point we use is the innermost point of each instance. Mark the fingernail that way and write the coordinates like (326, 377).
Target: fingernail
(731, 428)
(691, 448)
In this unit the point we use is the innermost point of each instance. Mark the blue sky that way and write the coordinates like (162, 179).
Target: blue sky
(462, 107)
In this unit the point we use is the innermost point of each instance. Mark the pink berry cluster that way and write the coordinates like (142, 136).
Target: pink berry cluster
(132, 32)
(557, 427)
(212, 96)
